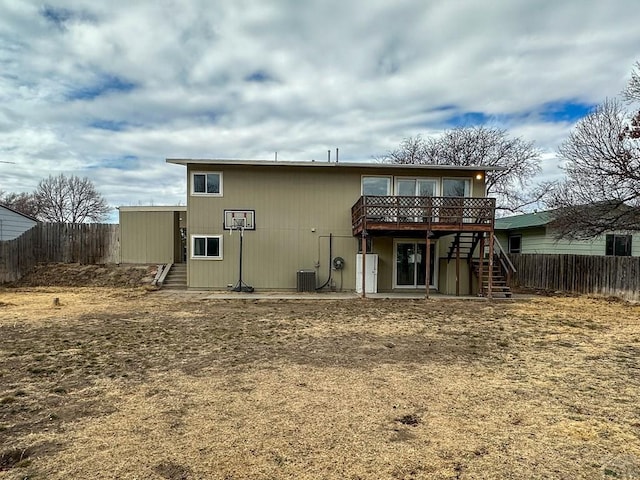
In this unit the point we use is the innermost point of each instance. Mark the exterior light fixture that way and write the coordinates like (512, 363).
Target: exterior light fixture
(478, 176)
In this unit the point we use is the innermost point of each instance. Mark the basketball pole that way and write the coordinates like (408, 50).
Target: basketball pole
(241, 286)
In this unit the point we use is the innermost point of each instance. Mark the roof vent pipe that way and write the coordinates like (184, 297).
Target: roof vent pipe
(329, 156)
(336, 154)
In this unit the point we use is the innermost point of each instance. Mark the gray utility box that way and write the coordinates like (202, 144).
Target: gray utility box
(306, 280)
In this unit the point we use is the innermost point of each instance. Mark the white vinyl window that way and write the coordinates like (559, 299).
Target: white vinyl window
(206, 183)
(207, 247)
(456, 187)
(416, 187)
(375, 185)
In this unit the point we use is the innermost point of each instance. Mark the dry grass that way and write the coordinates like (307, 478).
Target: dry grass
(119, 383)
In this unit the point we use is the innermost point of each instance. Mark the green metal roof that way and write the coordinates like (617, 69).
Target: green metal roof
(527, 220)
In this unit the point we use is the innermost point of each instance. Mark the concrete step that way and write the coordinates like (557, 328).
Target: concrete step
(176, 279)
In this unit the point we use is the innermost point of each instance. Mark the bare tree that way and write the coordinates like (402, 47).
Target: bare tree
(518, 161)
(22, 202)
(412, 150)
(632, 92)
(602, 189)
(69, 200)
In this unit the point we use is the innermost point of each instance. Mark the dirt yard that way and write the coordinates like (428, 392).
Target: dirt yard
(117, 383)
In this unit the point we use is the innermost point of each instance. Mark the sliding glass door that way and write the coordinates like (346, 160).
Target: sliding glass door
(410, 267)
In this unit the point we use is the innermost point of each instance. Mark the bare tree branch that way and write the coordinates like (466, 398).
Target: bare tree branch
(632, 92)
(21, 202)
(518, 160)
(602, 189)
(69, 200)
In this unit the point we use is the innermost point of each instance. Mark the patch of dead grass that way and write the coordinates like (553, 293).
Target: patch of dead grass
(128, 384)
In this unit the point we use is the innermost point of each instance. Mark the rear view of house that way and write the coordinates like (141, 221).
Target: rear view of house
(304, 225)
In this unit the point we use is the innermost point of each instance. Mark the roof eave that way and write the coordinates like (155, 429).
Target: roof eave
(316, 164)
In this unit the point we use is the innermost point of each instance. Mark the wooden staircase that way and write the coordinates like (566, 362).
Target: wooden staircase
(176, 279)
(499, 284)
(467, 243)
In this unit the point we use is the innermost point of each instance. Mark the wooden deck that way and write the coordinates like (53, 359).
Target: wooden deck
(396, 215)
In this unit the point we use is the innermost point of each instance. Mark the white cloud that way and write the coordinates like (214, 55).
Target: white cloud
(109, 90)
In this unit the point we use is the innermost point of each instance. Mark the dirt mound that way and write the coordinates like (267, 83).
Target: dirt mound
(77, 275)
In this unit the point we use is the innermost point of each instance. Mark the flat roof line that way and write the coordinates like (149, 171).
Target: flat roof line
(152, 208)
(319, 164)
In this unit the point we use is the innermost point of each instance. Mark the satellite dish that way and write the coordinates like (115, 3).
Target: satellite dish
(338, 263)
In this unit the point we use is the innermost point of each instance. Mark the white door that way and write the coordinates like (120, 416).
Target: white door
(371, 275)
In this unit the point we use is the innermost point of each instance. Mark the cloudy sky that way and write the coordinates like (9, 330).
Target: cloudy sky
(108, 90)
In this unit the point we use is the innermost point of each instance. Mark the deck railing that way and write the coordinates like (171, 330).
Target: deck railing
(389, 212)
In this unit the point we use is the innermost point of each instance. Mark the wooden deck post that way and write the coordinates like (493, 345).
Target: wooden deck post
(458, 267)
(364, 264)
(428, 266)
(470, 272)
(490, 278)
(481, 267)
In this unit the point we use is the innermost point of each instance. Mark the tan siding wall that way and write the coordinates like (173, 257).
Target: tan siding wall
(447, 270)
(383, 246)
(147, 237)
(289, 203)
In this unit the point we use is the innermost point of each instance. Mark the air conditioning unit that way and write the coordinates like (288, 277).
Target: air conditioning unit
(306, 280)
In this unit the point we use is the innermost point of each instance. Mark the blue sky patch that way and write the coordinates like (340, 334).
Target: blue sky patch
(104, 84)
(565, 111)
(124, 162)
(111, 125)
(57, 16)
(259, 76)
(444, 108)
(467, 119)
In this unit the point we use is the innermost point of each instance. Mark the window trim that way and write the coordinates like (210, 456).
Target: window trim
(205, 257)
(519, 237)
(610, 244)
(388, 177)
(205, 194)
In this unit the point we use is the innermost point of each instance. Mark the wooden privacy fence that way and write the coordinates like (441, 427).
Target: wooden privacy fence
(87, 243)
(609, 276)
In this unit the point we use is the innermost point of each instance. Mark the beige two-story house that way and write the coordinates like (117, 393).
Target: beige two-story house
(304, 225)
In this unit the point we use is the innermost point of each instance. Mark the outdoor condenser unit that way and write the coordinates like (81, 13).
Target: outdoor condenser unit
(306, 280)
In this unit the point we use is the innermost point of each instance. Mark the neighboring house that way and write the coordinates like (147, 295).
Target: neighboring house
(532, 233)
(13, 223)
(306, 222)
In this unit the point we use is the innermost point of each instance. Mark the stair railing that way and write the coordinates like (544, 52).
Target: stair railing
(503, 258)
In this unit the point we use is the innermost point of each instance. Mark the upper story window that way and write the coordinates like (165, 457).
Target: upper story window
(416, 187)
(456, 187)
(206, 183)
(618, 245)
(376, 185)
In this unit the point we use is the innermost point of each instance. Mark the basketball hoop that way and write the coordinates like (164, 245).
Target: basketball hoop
(239, 220)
